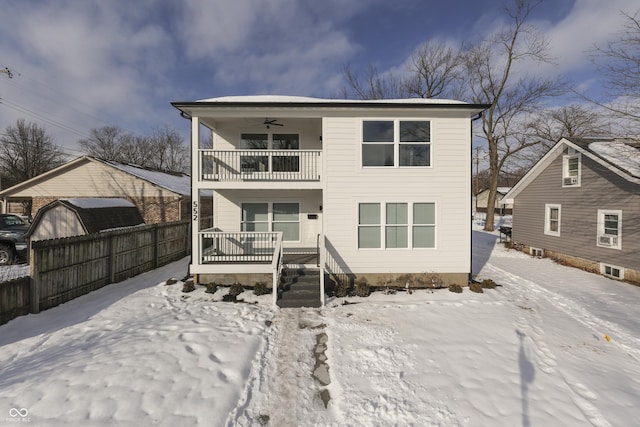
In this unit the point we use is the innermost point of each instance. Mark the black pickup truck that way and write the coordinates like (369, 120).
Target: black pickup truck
(13, 247)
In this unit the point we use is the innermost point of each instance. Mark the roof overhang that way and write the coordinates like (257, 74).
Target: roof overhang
(313, 107)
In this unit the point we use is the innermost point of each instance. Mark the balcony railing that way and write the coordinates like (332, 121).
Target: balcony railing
(238, 247)
(260, 165)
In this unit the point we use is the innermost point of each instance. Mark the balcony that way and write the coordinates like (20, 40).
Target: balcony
(260, 165)
(238, 247)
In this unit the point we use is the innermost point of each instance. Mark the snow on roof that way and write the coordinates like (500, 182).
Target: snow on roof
(95, 203)
(304, 99)
(503, 190)
(178, 183)
(619, 154)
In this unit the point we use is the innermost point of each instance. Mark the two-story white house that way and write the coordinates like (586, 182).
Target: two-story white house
(355, 189)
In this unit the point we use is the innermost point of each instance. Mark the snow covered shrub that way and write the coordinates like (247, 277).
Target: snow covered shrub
(188, 286)
(455, 288)
(260, 288)
(342, 289)
(211, 288)
(362, 287)
(488, 284)
(476, 287)
(236, 289)
(171, 281)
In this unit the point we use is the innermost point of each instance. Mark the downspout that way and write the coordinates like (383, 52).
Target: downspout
(473, 119)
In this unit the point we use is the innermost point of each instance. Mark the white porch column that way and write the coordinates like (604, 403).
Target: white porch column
(195, 193)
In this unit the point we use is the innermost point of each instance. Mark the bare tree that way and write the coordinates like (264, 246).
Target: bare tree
(372, 85)
(435, 71)
(619, 63)
(163, 150)
(169, 149)
(104, 143)
(27, 151)
(493, 79)
(571, 121)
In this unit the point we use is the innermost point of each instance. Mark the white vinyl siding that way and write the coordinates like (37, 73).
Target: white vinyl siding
(446, 185)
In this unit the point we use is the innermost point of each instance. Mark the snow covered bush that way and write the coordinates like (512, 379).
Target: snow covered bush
(455, 288)
(476, 287)
(236, 289)
(188, 286)
(211, 288)
(362, 287)
(260, 288)
(342, 289)
(488, 284)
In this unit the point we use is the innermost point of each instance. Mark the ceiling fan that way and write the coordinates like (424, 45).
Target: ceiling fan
(271, 122)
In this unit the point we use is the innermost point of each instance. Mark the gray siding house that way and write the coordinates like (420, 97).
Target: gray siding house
(580, 204)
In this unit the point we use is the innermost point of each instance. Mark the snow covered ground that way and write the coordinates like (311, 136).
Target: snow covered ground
(550, 346)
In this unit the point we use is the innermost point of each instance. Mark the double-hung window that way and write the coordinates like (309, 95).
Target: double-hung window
(262, 217)
(396, 143)
(552, 220)
(396, 225)
(610, 228)
(571, 170)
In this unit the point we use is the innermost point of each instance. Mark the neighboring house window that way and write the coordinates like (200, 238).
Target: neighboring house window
(552, 220)
(284, 217)
(369, 225)
(610, 228)
(612, 271)
(396, 143)
(406, 225)
(571, 170)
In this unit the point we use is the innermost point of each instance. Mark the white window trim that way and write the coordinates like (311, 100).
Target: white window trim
(396, 141)
(547, 217)
(603, 267)
(565, 170)
(383, 224)
(269, 220)
(616, 241)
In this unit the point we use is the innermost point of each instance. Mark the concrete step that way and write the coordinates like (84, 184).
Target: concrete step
(301, 288)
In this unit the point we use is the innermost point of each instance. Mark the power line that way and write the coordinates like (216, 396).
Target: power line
(21, 109)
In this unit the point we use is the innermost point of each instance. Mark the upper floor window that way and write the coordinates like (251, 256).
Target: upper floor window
(610, 228)
(571, 170)
(396, 143)
(552, 220)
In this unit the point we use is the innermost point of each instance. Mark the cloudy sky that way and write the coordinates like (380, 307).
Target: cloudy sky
(79, 65)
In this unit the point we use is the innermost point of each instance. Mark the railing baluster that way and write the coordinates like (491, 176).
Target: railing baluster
(237, 165)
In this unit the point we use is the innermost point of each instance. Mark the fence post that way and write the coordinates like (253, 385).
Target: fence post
(112, 260)
(34, 282)
(155, 246)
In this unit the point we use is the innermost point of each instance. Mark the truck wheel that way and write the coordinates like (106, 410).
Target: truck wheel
(6, 255)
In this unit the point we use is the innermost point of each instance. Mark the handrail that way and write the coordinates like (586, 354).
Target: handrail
(276, 268)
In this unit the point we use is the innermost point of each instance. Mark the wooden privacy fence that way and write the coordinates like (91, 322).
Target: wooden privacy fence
(64, 269)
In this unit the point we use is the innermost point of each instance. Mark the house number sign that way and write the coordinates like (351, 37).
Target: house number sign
(194, 210)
